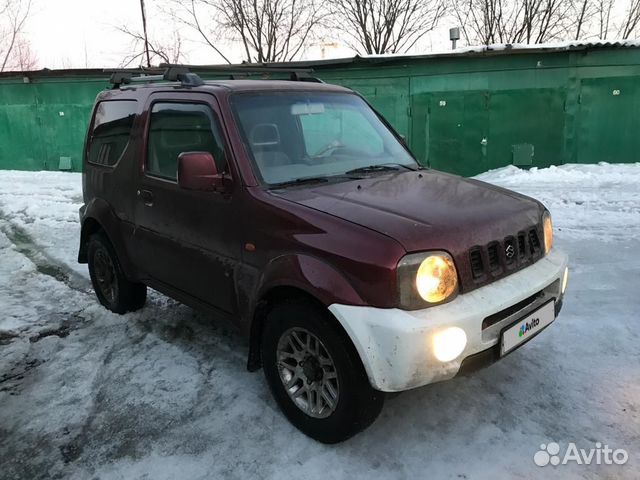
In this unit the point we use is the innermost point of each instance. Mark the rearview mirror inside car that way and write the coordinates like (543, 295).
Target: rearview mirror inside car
(307, 108)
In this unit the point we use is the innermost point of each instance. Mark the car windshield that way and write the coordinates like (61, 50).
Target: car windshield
(300, 136)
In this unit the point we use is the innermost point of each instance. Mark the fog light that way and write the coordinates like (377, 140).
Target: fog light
(449, 343)
(565, 279)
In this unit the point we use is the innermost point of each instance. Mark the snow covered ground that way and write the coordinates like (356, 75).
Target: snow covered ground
(163, 393)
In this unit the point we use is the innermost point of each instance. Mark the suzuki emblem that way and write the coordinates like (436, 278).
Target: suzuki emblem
(509, 251)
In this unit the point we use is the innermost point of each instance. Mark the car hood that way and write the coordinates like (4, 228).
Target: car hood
(425, 210)
(430, 210)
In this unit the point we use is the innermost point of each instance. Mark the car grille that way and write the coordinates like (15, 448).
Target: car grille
(500, 257)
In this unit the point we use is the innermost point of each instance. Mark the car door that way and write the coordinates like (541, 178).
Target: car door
(185, 239)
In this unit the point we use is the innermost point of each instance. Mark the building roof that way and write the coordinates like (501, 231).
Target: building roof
(473, 51)
(463, 52)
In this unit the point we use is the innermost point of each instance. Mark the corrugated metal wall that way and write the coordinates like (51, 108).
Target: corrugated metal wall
(468, 114)
(463, 114)
(44, 120)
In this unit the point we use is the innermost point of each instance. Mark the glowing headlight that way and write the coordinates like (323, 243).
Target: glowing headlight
(436, 279)
(548, 232)
(425, 279)
(449, 343)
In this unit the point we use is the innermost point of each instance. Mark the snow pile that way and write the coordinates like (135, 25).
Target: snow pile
(163, 393)
(586, 201)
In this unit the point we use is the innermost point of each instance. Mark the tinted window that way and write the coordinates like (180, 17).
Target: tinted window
(112, 125)
(181, 127)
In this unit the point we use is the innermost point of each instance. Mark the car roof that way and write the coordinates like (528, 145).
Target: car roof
(239, 86)
(265, 85)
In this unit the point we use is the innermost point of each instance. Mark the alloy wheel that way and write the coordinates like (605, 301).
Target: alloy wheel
(308, 372)
(105, 273)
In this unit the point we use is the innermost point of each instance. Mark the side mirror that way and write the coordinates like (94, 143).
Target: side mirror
(198, 171)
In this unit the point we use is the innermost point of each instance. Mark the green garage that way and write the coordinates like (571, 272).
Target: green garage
(464, 112)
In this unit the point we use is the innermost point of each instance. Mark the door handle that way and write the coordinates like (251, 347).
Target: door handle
(146, 196)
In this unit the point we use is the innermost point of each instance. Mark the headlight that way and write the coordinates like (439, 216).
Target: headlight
(426, 279)
(548, 232)
(436, 279)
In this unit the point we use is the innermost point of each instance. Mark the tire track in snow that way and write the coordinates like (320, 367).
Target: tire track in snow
(44, 263)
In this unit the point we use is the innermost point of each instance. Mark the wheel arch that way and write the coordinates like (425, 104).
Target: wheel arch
(99, 217)
(297, 278)
(89, 226)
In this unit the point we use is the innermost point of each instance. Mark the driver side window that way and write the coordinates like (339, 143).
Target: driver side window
(181, 127)
(347, 128)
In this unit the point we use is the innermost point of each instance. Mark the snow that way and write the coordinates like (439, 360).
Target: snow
(587, 201)
(163, 393)
(494, 47)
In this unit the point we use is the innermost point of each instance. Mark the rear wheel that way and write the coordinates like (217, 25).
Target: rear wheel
(112, 287)
(315, 373)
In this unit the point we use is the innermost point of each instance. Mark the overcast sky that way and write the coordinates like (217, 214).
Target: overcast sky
(84, 33)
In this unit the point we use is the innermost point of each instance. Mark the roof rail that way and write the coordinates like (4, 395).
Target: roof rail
(298, 76)
(245, 70)
(170, 73)
(183, 74)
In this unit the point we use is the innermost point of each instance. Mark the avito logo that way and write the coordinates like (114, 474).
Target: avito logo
(528, 326)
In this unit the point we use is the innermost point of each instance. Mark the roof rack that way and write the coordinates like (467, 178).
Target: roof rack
(184, 75)
(171, 73)
(245, 70)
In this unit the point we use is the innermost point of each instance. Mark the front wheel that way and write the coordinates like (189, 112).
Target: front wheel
(315, 373)
(112, 287)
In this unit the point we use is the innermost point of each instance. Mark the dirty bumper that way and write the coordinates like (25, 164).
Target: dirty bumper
(397, 346)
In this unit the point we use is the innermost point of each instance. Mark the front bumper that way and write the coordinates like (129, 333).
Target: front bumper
(395, 345)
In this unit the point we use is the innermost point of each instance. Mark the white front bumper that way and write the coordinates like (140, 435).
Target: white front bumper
(395, 345)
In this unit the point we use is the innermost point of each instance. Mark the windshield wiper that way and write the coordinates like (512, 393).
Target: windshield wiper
(299, 181)
(379, 168)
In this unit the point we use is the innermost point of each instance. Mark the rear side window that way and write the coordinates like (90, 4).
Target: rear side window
(112, 126)
(181, 127)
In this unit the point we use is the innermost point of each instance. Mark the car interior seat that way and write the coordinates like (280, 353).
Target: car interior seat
(171, 134)
(266, 146)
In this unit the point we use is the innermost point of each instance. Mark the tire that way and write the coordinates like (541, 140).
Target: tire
(357, 404)
(114, 291)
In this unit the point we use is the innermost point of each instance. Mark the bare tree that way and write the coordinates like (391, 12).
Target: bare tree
(13, 17)
(148, 51)
(386, 26)
(630, 20)
(269, 30)
(143, 11)
(22, 57)
(593, 19)
(603, 8)
(523, 21)
(583, 13)
(188, 13)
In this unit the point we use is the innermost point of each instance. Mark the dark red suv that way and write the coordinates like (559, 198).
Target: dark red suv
(293, 211)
